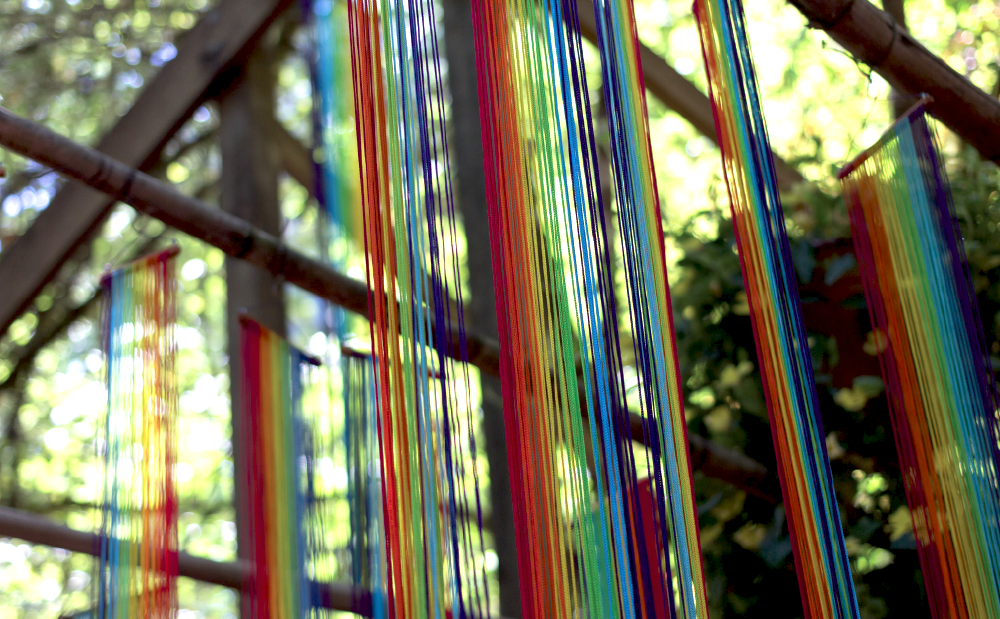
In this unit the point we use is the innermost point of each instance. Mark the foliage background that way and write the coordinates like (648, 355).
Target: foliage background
(76, 65)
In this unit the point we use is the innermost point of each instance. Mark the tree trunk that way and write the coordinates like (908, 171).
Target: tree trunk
(249, 191)
(467, 157)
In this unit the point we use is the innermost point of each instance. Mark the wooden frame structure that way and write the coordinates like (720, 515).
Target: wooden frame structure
(208, 65)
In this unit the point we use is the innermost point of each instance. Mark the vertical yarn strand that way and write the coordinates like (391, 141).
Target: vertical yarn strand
(938, 376)
(564, 333)
(137, 567)
(434, 553)
(782, 349)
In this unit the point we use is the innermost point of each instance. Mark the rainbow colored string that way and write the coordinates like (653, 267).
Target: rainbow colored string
(554, 246)
(332, 79)
(282, 511)
(782, 349)
(339, 195)
(137, 571)
(434, 552)
(934, 359)
(364, 487)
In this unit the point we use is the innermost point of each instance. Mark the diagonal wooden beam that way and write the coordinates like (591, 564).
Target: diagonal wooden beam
(709, 458)
(874, 38)
(237, 238)
(223, 35)
(677, 93)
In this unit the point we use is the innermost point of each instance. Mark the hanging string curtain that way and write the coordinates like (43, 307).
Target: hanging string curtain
(567, 331)
(782, 348)
(330, 63)
(936, 366)
(137, 568)
(286, 504)
(364, 487)
(429, 458)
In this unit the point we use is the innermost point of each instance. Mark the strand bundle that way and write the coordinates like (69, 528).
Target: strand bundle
(571, 335)
(782, 348)
(137, 570)
(432, 513)
(282, 508)
(337, 177)
(936, 366)
(364, 484)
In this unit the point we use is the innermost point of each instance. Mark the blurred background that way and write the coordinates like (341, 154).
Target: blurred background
(77, 65)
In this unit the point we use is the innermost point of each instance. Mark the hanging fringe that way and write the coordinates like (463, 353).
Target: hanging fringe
(364, 487)
(286, 504)
(434, 555)
(334, 126)
(137, 571)
(582, 549)
(938, 376)
(782, 349)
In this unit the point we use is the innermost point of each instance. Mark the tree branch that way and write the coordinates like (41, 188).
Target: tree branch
(874, 38)
(237, 238)
(40, 530)
(678, 93)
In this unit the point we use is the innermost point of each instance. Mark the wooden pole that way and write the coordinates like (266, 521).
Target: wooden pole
(239, 239)
(37, 529)
(234, 236)
(249, 191)
(875, 39)
(467, 159)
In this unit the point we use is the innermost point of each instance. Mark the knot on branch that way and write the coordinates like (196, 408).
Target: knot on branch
(125, 193)
(244, 243)
(882, 57)
(277, 266)
(101, 179)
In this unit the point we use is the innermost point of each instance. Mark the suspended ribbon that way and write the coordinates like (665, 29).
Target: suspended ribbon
(431, 498)
(782, 348)
(569, 328)
(937, 371)
(137, 571)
